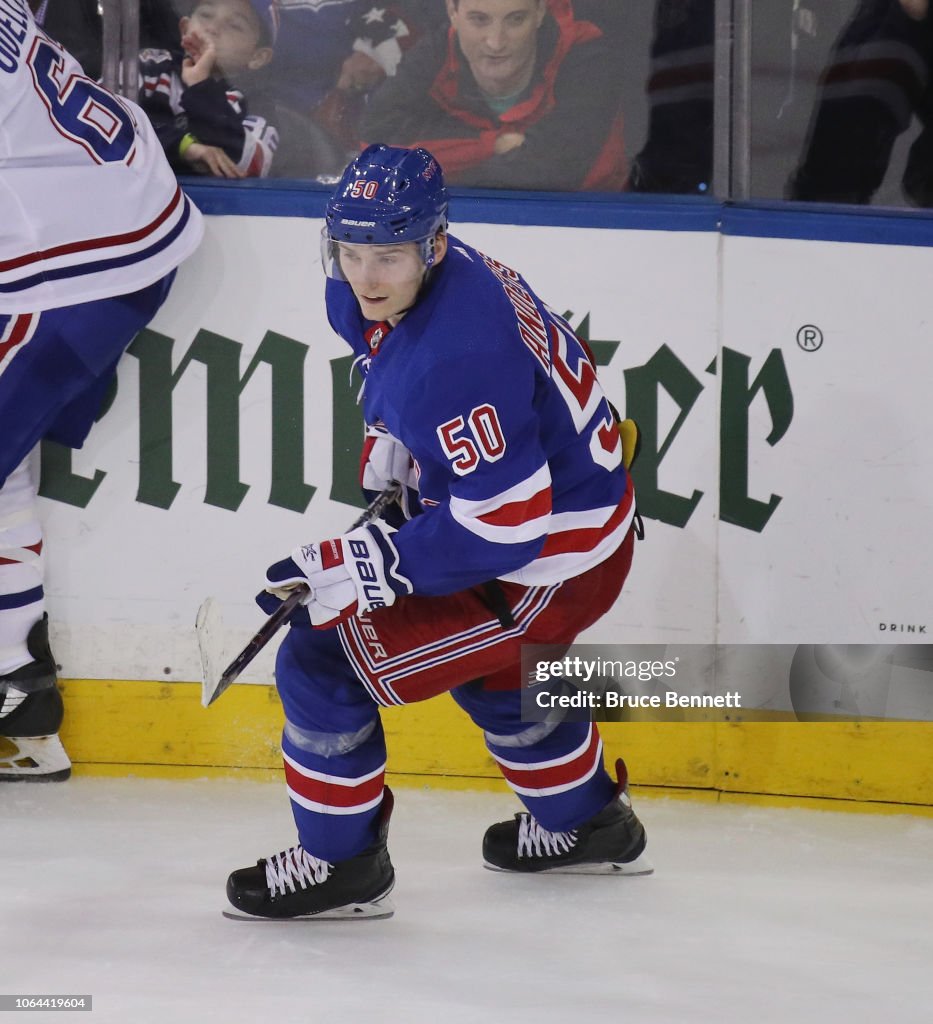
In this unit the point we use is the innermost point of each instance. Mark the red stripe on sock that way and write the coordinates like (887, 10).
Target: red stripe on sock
(332, 795)
(558, 775)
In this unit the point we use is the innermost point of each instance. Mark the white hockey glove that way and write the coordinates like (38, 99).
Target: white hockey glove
(386, 459)
(350, 574)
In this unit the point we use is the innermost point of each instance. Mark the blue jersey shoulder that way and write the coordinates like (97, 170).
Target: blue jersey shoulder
(477, 309)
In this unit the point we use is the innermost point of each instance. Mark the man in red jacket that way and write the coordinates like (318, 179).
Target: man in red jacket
(515, 94)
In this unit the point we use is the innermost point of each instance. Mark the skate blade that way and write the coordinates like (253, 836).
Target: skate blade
(33, 759)
(639, 866)
(377, 910)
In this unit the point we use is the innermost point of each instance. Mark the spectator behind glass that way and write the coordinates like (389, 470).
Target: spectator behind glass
(328, 57)
(877, 79)
(678, 152)
(515, 94)
(196, 104)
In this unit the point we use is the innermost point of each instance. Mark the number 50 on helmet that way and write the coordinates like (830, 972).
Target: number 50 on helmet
(387, 196)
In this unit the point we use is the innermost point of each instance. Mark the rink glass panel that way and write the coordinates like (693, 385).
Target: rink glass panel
(718, 97)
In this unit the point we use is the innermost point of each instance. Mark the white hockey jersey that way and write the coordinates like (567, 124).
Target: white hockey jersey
(89, 207)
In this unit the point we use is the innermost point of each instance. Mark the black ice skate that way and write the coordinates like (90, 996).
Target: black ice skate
(31, 713)
(294, 885)
(611, 842)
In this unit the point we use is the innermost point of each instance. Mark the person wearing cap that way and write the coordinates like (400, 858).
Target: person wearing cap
(198, 104)
(517, 526)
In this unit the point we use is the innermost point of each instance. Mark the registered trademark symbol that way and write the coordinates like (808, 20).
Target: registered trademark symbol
(810, 338)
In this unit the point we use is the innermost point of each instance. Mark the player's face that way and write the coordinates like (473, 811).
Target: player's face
(385, 278)
(232, 26)
(499, 39)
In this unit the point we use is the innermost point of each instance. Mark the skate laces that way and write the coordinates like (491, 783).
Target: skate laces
(292, 866)
(535, 841)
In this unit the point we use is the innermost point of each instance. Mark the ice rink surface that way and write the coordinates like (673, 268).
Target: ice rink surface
(114, 888)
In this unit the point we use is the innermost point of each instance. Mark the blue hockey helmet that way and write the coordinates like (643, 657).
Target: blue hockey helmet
(388, 195)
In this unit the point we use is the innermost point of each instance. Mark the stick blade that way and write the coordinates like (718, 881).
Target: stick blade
(209, 629)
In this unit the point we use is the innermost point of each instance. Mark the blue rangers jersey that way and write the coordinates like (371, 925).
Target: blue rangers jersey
(520, 460)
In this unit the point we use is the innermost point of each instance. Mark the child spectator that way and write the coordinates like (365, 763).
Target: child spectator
(196, 104)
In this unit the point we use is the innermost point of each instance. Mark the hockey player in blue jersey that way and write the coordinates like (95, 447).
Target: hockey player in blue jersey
(517, 529)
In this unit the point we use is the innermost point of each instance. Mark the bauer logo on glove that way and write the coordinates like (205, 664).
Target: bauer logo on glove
(350, 574)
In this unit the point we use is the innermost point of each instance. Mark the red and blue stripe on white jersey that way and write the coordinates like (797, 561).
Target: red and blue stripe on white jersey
(89, 205)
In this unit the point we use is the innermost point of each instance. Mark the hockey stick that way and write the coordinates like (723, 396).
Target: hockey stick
(208, 626)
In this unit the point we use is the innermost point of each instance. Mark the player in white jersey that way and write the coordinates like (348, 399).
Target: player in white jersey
(93, 226)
